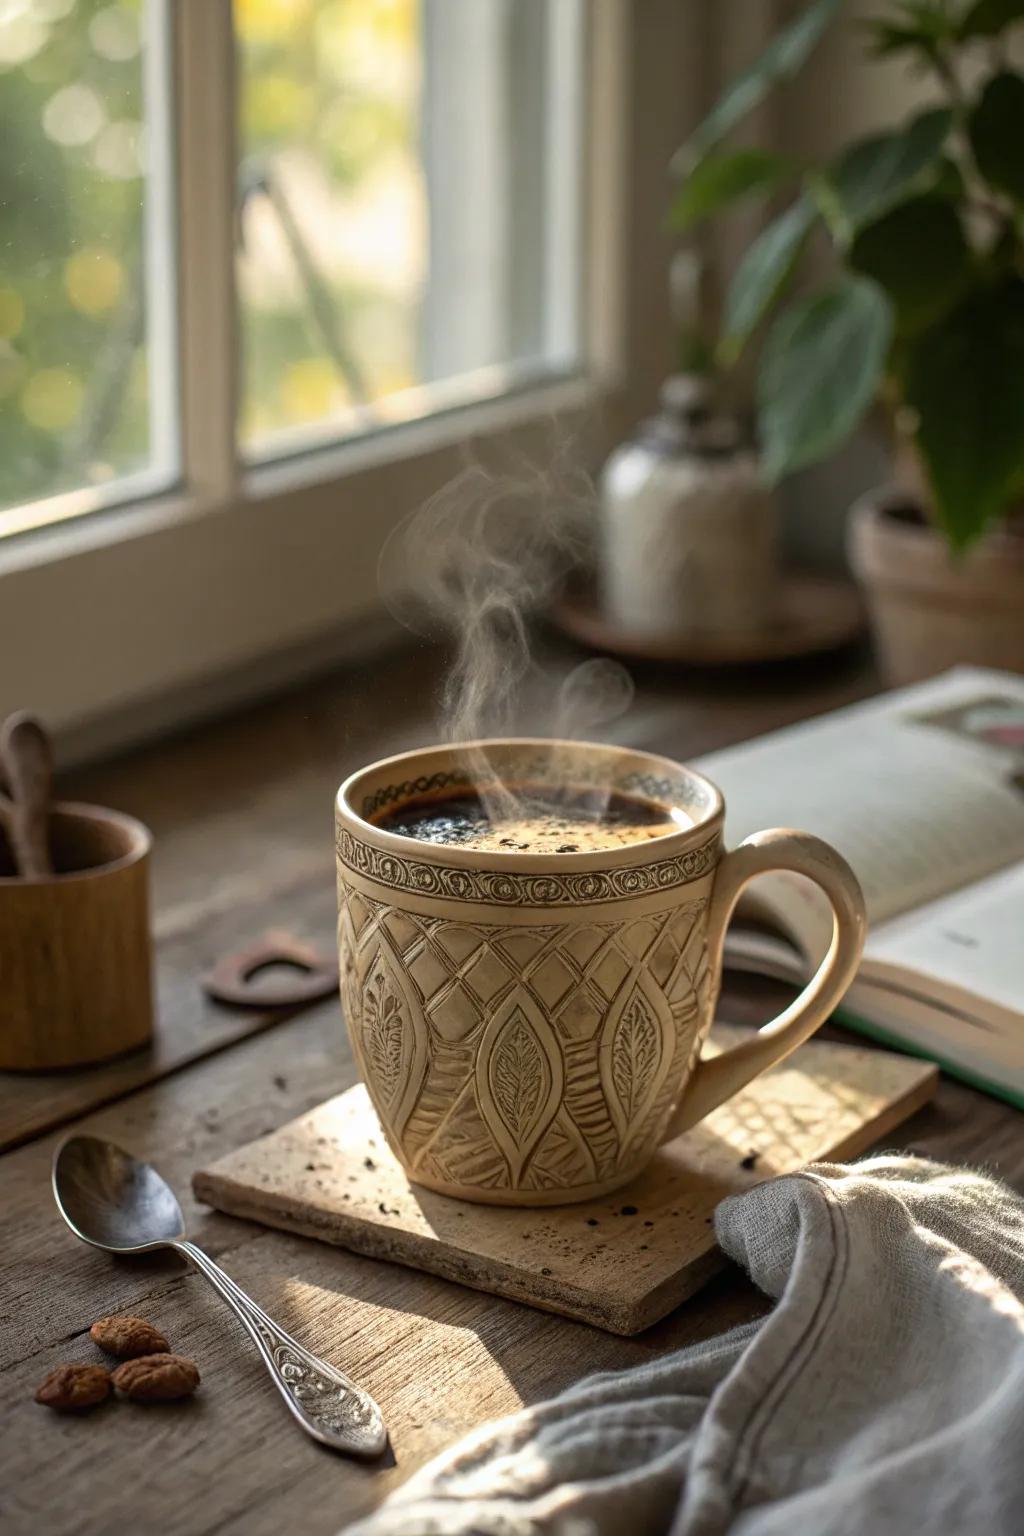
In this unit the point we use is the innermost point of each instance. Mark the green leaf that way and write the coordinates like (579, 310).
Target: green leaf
(780, 61)
(875, 172)
(762, 274)
(996, 129)
(965, 379)
(920, 28)
(948, 181)
(822, 363)
(987, 18)
(888, 39)
(722, 178)
(918, 253)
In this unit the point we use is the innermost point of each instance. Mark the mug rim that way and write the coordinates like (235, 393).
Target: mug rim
(462, 855)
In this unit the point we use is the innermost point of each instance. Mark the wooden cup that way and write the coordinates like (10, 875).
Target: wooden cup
(75, 950)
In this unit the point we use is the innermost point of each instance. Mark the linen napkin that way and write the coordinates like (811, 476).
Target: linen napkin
(883, 1394)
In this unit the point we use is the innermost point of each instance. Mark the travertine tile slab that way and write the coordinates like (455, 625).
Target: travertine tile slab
(619, 1263)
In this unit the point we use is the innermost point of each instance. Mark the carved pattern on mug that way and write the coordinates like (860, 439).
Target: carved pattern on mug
(508, 888)
(537, 1055)
(518, 1079)
(394, 1038)
(384, 1028)
(635, 1052)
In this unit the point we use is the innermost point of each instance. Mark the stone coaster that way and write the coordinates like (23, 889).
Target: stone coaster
(621, 1262)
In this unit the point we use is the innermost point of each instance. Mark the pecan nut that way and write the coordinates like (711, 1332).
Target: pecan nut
(72, 1388)
(128, 1337)
(156, 1378)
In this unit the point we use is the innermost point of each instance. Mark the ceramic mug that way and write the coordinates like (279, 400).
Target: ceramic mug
(529, 1026)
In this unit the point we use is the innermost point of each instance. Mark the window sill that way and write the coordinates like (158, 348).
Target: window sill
(141, 609)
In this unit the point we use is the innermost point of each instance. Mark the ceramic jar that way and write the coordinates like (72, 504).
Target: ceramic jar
(688, 532)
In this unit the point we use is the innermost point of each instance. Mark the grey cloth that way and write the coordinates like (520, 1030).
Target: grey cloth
(883, 1394)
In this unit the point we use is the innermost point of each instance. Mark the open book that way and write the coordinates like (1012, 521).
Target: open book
(923, 791)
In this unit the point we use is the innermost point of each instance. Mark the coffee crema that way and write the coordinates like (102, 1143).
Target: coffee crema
(580, 822)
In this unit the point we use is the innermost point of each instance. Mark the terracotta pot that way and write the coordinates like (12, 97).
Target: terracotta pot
(930, 609)
(529, 1025)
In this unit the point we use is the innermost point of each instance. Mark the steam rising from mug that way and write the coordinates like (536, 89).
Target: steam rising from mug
(476, 562)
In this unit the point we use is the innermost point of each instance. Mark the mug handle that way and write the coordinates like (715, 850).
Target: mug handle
(719, 1077)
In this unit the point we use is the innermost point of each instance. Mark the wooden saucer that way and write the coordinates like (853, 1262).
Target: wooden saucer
(815, 614)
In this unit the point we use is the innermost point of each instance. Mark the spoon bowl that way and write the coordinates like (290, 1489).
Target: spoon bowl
(112, 1200)
(116, 1202)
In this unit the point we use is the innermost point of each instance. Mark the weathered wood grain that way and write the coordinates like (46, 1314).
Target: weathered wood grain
(241, 815)
(439, 1358)
(620, 1262)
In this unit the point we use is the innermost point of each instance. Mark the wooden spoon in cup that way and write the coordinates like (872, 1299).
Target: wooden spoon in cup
(27, 760)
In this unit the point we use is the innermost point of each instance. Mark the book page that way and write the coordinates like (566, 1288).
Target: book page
(969, 945)
(922, 790)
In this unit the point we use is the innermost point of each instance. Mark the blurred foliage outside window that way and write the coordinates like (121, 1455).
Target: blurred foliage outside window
(74, 387)
(332, 265)
(333, 223)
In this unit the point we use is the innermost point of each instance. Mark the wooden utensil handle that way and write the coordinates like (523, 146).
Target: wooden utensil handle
(28, 766)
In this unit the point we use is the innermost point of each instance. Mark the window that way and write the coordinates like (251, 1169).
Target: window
(397, 202)
(265, 266)
(410, 175)
(86, 391)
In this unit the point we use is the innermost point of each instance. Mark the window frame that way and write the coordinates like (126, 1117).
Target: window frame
(138, 616)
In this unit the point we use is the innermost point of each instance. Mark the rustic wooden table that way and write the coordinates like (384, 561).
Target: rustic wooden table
(241, 811)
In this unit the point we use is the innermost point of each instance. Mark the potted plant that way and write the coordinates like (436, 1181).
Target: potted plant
(922, 316)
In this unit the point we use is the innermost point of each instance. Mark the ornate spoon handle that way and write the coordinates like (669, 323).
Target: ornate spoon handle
(327, 1404)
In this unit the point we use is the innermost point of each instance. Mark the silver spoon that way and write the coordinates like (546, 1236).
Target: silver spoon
(111, 1200)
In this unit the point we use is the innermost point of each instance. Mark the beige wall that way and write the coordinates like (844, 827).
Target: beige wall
(839, 95)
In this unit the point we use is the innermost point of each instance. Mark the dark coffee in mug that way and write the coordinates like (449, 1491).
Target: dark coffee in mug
(580, 822)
